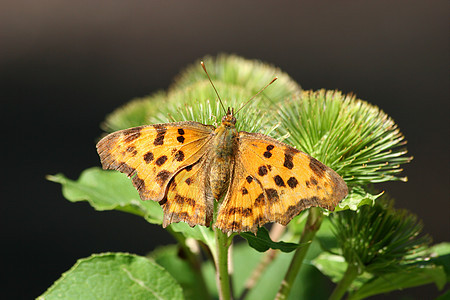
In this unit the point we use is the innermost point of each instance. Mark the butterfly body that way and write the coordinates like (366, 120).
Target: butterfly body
(186, 166)
(221, 158)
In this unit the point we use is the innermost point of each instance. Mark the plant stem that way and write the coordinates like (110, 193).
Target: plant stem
(350, 274)
(311, 227)
(222, 275)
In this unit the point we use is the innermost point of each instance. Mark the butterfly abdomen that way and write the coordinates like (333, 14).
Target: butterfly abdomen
(221, 159)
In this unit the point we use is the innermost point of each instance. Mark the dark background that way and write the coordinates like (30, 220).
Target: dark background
(64, 66)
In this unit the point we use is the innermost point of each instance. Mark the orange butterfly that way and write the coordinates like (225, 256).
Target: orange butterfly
(186, 166)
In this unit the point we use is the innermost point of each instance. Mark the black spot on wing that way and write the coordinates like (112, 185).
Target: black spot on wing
(262, 170)
(179, 156)
(267, 154)
(148, 157)
(161, 160)
(279, 181)
(292, 182)
(161, 131)
(288, 163)
(180, 139)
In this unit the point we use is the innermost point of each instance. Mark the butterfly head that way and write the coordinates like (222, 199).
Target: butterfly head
(229, 119)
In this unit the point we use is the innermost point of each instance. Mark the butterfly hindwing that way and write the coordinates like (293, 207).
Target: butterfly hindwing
(238, 212)
(151, 155)
(186, 199)
(283, 181)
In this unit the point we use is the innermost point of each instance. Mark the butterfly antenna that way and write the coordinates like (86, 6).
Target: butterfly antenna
(221, 103)
(260, 91)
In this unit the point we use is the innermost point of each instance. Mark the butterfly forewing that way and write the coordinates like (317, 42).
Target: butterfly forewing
(151, 155)
(283, 181)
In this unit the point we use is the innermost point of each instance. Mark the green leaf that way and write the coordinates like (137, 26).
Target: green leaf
(425, 272)
(199, 233)
(262, 242)
(108, 190)
(357, 198)
(331, 265)
(114, 276)
(170, 259)
(400, 280)
(440, 255)
(334, 266)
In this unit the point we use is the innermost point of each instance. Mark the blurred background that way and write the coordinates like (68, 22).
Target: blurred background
(65, 65)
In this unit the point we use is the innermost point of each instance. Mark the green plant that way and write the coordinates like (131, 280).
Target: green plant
(356, 139)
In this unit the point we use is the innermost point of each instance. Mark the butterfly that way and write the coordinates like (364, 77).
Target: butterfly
(187, 166)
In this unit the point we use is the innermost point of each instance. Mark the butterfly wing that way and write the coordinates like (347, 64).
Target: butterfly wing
(187, 199)
(151, 155)
(274, 182)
